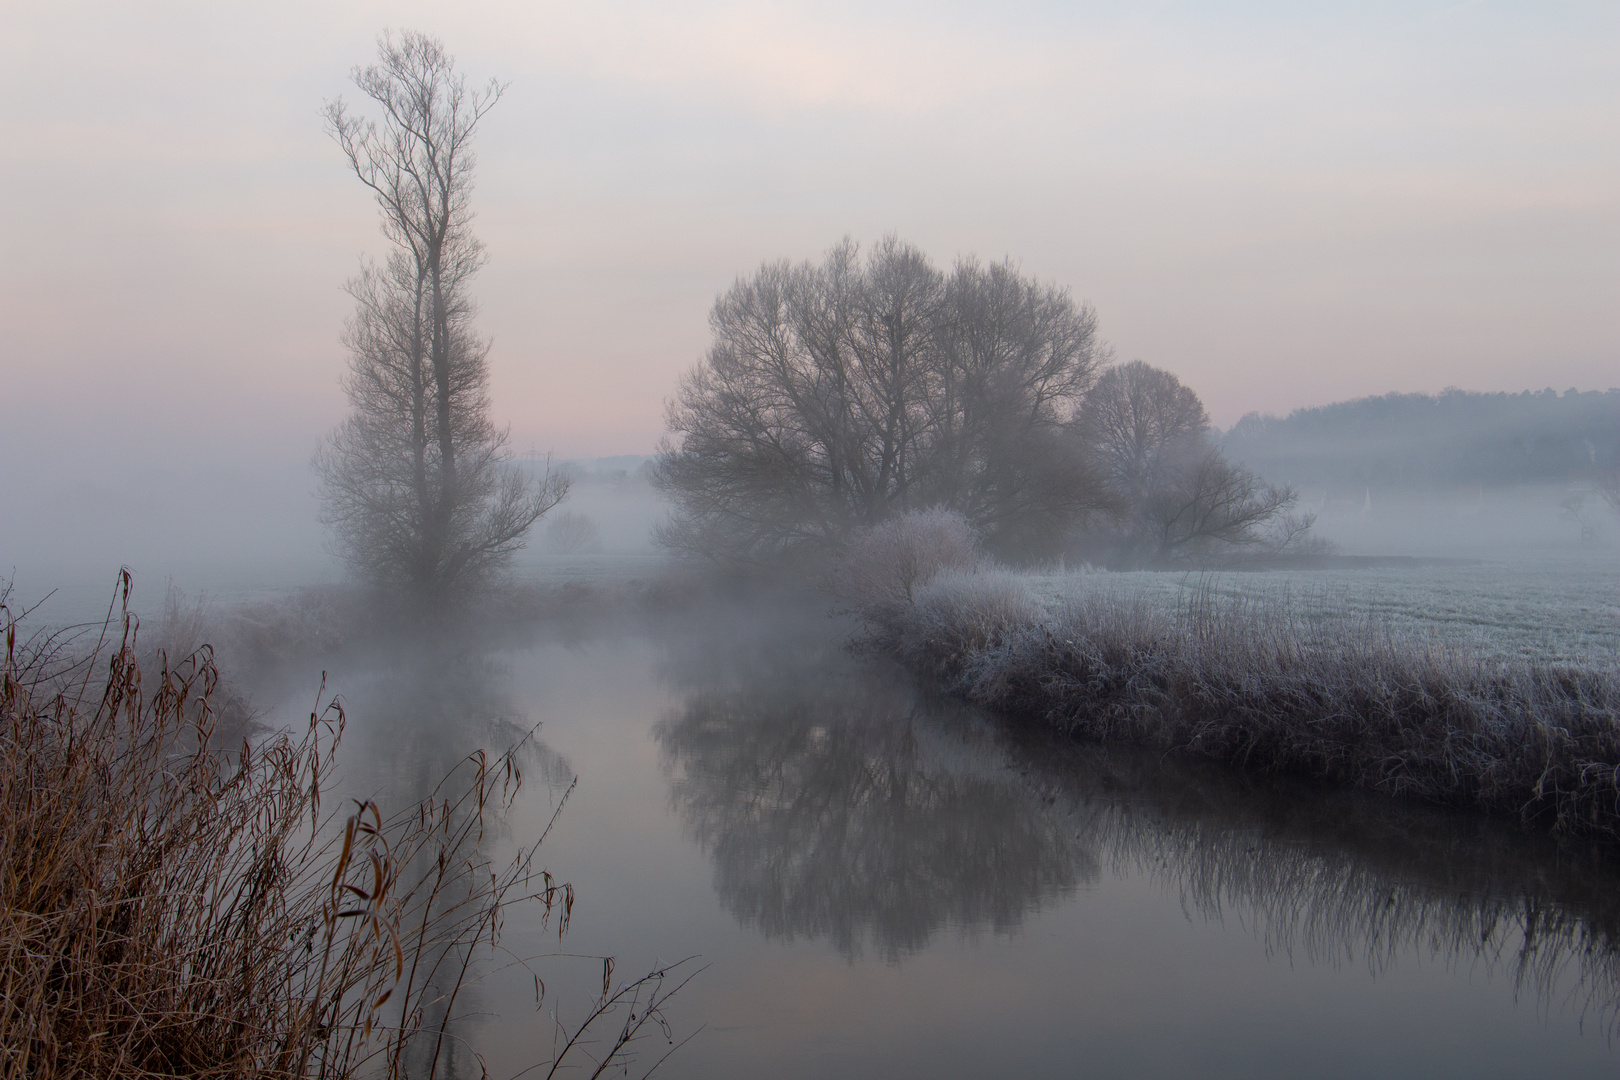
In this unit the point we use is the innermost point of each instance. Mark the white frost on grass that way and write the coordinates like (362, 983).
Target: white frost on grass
(1558, 610)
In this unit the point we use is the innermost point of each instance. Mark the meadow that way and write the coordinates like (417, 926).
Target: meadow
(1555, 609)
(1463, 684)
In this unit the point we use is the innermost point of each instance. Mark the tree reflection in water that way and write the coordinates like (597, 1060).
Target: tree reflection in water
(836, 803)
(834, 807)
(832, 813)
(415, 716)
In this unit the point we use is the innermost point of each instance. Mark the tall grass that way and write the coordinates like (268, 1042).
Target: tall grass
(1265, 687)
(168, 908)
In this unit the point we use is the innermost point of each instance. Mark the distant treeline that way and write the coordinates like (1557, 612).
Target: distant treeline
(1429, 441)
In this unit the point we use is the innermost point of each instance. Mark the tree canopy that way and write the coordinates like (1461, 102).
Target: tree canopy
(838, 394)
(1179, 495)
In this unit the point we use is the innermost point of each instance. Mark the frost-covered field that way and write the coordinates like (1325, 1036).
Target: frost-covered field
(1556, 609)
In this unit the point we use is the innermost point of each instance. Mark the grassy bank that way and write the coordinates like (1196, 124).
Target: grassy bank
(1264, 687)
(176, 902)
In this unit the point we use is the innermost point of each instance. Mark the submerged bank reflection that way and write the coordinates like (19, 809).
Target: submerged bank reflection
(1334, 877)
(415, 716)
(422, 722)
(836, 803)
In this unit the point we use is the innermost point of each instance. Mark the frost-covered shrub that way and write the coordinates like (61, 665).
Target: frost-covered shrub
(1276, 689)
(977, 605)
(883, 566)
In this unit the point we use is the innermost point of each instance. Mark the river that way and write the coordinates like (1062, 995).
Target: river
(879, 884)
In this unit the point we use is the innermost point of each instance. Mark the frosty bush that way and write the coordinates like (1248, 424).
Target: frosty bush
(976, 605)
(884, 565)
(1274, 689)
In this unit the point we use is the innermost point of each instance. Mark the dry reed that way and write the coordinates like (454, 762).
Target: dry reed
(171, 909)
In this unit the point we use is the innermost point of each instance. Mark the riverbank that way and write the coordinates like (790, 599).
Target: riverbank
(1260, 684)
(177, 902)
(862, 859)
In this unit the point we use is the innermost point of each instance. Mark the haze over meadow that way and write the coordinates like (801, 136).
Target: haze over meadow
(1284, 206)
(1135, 526)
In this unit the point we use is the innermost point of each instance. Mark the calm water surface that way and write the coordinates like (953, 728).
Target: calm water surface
(883, 885)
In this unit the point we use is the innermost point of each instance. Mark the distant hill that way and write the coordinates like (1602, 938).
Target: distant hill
(1423, 441)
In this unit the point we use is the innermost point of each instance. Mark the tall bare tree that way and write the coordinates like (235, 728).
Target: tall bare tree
(839, 394)
(415, 484)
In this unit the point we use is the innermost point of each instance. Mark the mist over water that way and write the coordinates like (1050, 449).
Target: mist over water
(967, 342)
(878, 880)
(230, 532)
(235, 535)
(881, 882)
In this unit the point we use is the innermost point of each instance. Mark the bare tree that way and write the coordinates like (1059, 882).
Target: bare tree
(1016, 358)
(838, 395)
(1136, 419)
(1150, 434)
(1202, 502)
(415, 483)
(1291, 534)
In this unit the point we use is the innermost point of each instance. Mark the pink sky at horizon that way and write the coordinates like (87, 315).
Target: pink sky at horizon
(1284, 205)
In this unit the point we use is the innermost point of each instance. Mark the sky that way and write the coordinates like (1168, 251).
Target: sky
(1284, 203)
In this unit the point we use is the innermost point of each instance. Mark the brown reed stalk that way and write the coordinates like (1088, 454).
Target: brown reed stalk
(169, 909)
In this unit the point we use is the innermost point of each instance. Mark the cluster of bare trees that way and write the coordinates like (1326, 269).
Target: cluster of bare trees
(840, 394)
(415, 483)
(835, 396)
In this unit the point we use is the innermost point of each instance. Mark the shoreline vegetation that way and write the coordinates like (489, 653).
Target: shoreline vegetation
(177, 901)
(772, 753)
(176, 906)
(1251, 682)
